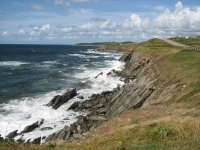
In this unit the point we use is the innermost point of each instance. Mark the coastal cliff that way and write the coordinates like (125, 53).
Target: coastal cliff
(157, 108)
(145, 85)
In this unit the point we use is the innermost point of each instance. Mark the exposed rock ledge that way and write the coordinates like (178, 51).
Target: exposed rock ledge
(142, 88)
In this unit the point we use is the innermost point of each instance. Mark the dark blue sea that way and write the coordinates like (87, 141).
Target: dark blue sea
(31, 75)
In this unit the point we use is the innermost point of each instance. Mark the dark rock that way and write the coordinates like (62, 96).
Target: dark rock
(20, 140)
(102, 111)
(46, 128)
(80, 97)
(44, 137)
(33, 126)
(36, 141)
(12, 134)
(58, 100)
(28, 141)
(63, 134)
(99, 75)
(81, 124)
(73, 127)
(74, 105)
(86, 105)
(81, 119)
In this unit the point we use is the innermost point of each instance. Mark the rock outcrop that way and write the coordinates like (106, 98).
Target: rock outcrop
(33, 126)
(58, 100)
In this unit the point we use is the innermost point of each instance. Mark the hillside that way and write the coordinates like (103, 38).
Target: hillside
(159, 108)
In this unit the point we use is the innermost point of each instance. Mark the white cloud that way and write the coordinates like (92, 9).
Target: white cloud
(35, 7)
(179, 6)
(21, 32)
(86, 25)
(45, 27)
(5, 34)
(41, 31)
(107, 25)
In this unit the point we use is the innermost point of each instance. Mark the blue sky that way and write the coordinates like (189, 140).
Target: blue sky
(76, 21)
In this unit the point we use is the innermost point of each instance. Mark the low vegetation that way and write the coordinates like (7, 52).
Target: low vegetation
(191, 41)
(174, 125)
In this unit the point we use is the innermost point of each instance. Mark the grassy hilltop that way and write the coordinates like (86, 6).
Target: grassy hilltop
(172, 124)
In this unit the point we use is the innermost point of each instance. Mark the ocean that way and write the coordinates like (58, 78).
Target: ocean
(31, 75)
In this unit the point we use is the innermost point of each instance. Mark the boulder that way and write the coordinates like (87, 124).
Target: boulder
(63, 134)
(46, 128)
(12, 134)
(74, 106)
(33, 126)
(58, 100)
(86, 105)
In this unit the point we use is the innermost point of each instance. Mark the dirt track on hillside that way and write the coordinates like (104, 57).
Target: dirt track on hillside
(173, 43)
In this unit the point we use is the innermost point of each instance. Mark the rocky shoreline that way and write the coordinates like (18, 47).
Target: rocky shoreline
(138, 89)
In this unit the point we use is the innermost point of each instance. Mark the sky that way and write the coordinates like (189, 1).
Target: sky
(80, 21)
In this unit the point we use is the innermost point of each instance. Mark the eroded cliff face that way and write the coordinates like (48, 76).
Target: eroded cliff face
(143, 74)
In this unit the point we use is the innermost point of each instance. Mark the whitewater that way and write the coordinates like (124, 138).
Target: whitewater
(31, 75)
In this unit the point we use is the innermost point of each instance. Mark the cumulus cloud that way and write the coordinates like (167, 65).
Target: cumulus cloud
(107, 25)
(182, 19)
(35, 7)
(21, 32)
(88, 26)
(41, 31)
(170, 22)
(179, 6)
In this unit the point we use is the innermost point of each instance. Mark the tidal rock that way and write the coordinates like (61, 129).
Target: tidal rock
(80, 97)
(33, 126)
(74, 106)
(12, 134)
(58, 100)
(46, 128)
(99, 75)
(36, 141)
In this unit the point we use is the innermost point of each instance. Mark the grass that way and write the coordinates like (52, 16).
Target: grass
(160, 131)
(183, 65)
(188, 42)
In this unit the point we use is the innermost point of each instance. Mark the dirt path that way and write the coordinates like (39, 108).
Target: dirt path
(174, 43)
